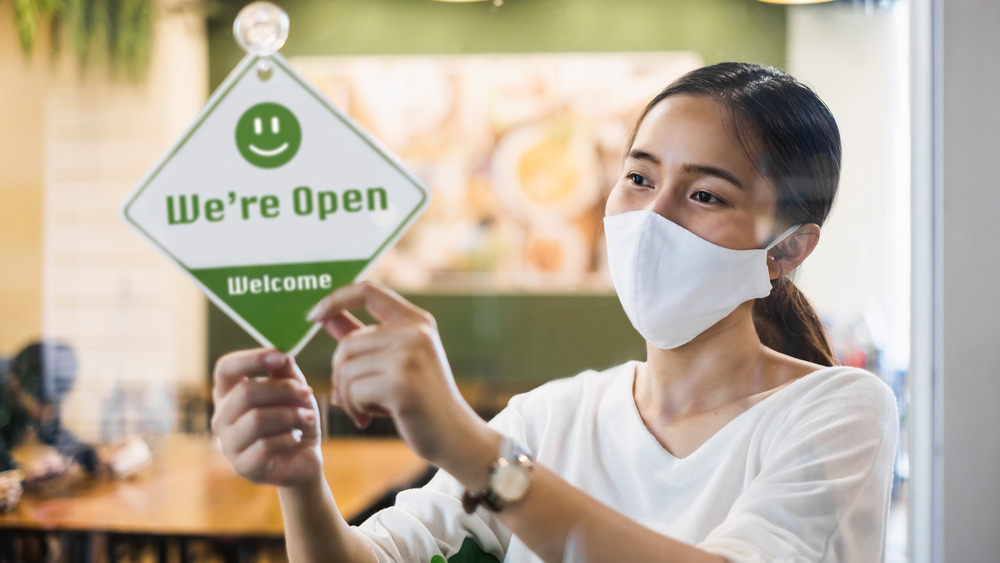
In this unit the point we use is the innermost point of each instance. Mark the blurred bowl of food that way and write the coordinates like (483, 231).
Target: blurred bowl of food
(547, 169)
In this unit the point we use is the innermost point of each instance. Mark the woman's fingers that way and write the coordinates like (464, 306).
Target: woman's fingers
(385, 305)
(289, 370)
(267, 422)
(368, 395)
(254, 461)
(266, 417)
(371, 359)
(258, 393)
(370, 340)
(387, 361)
(345, 399)
(395, 367)
(356, 356)
(235, 367)
(341, 324)
(360, 346)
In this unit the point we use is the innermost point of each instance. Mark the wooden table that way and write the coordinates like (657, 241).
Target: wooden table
(190, 490)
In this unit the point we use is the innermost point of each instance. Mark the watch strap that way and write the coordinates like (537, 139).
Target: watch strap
(485, 497)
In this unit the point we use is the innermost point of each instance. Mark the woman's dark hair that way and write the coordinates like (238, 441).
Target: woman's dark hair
(791, 136)
(46, 370)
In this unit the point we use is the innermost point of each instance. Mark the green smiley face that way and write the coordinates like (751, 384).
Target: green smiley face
(268, 135)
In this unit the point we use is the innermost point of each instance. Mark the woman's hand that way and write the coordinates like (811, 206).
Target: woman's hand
(398, 368)
(266, 418)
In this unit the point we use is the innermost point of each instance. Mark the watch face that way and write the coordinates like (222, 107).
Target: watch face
(510, 481)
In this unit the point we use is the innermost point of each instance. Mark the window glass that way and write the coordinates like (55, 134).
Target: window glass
(515, 113)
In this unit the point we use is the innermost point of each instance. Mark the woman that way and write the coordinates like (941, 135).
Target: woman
(733, 441)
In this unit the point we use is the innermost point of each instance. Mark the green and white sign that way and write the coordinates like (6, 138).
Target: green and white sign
(272, 199)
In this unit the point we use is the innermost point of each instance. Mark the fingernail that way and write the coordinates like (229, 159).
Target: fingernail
(314, 314)
(335, 397)
(274, 359)
(308, 416)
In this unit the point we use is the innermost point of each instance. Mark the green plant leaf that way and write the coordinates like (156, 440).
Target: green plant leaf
(114, 31)
(120, 29)
(24, 18)
(47, 7)
(84, 22)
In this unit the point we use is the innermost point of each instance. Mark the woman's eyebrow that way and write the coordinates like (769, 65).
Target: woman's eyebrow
(706, 170)
(701, 169)
(643, 155)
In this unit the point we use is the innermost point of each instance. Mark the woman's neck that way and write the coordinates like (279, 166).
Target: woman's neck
(725, 364)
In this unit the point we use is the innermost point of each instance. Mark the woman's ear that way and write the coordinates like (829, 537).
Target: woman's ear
(789, 253)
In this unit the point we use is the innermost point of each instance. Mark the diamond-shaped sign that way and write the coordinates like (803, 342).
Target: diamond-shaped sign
(272, 199)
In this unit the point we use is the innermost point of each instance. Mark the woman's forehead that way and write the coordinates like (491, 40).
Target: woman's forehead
(684, 128)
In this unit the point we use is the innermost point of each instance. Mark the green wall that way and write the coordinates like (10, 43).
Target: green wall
(508, 343)
(719, 30)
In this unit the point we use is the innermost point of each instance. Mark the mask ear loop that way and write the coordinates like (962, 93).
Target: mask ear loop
(782, 237)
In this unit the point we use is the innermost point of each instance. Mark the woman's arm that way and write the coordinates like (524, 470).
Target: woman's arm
(314, 528)
(561, 523)
(397, 368)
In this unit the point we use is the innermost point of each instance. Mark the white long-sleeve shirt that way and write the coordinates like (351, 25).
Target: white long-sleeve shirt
(802, 476)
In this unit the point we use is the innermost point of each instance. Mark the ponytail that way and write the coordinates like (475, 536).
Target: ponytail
(787, 323)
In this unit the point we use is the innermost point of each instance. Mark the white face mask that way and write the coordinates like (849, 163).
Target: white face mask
(674, 284)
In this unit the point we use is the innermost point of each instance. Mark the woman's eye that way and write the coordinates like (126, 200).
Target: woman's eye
(705, 197)
(638, 180)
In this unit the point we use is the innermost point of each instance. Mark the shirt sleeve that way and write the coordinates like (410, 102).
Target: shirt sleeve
(430, 520)
(820, 490)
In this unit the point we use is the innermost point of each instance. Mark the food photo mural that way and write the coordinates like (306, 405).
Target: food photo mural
(518, 150)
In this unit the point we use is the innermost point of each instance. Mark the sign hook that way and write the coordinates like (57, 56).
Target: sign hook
(261, 28)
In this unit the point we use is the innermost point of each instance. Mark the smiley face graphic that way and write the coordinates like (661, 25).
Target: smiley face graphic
(268, 135)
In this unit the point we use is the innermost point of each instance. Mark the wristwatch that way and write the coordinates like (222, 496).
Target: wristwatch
(510, 479)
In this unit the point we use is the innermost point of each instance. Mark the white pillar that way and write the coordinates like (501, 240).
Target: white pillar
(956, 442)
